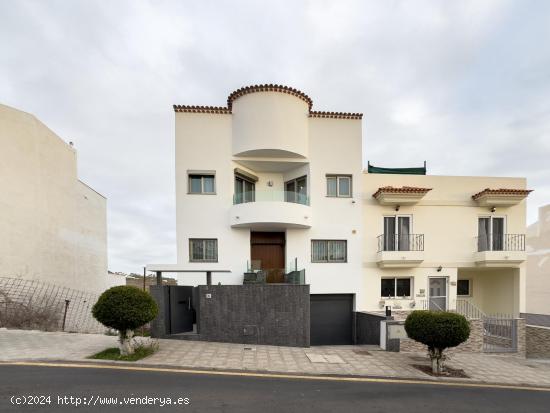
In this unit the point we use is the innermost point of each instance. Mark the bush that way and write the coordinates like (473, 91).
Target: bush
(125, 308)
(438, 330)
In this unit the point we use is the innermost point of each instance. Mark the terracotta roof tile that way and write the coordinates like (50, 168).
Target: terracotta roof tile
(201, 109)
(335, 115)
(266, 88)
(402, 190)
(502, 191)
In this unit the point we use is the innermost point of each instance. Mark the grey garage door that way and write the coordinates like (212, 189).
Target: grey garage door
(331, 319)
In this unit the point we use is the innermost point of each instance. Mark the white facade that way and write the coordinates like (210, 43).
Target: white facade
(269, 136)
(53, 226)
(538, 265)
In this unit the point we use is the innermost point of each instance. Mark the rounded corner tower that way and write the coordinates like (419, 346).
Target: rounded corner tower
(270, 121)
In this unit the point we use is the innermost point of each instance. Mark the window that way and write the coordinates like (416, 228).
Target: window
(245, 190)
(202, 184)
(396, 287)
(463, 287)
(203, 250)
(329, 251)
(296, 190)
(339, 186)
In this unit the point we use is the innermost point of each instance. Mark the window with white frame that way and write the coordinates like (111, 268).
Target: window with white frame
(339, 186)
(396, 287)
(202, 184)
(464, 287)
(203, 250)
(329, 250)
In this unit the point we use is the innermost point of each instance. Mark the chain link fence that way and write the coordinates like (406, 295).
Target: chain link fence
(31, 304)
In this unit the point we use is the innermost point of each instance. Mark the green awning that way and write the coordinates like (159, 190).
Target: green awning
(397, 171)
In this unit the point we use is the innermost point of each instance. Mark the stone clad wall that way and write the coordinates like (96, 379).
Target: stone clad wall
(474, 344)
(538, 341)
(274, 314)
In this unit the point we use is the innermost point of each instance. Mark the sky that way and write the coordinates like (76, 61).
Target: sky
(463, 85)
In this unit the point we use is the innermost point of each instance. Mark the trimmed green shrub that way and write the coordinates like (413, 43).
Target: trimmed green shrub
(125, 308)
(438, 330)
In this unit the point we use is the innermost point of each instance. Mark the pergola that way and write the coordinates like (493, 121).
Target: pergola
(159, 269)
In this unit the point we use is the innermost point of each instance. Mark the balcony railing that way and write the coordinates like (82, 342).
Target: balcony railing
(401, 242)
(501, 242)
(270, 196)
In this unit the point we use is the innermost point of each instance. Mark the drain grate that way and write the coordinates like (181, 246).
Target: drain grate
(362, 352)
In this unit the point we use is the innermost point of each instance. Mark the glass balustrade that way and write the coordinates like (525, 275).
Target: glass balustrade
(271, 196)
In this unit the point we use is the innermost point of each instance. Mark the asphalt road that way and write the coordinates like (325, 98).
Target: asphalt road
(215, 393)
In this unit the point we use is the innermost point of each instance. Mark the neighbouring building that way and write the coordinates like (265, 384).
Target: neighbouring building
(445, 242)
(269, 190)
(538, 270)
(53, 225)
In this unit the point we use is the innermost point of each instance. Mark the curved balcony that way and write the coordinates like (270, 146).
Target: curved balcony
(270, 210)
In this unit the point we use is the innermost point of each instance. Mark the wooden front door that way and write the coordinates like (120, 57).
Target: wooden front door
(267, 250)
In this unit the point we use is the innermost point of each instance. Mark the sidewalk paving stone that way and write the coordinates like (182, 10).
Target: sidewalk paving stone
(335, 360)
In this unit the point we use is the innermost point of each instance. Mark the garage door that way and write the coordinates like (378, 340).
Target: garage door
(331, 319)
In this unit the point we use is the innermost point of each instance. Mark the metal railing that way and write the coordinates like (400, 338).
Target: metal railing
(469, 309)
(271, 196)
(401, 242)
(501, 242)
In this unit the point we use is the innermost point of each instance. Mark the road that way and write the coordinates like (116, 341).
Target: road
(219, 393)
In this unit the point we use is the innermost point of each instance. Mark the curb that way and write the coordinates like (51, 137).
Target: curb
(132, 366)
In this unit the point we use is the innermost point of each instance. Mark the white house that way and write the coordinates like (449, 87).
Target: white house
(53, 225)
(267, 183)
(538, 269)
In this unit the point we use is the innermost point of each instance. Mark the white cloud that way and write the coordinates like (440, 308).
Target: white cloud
(464, 85)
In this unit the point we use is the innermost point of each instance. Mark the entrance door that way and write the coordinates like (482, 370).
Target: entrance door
(267, 250)
(438, 294)
(181, 309)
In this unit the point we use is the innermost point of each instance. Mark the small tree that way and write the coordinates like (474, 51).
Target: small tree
(438, 330)
(125, 308)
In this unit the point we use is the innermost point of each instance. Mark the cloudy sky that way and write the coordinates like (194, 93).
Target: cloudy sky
(464, 85)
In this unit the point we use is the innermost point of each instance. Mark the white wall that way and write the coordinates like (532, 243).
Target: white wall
(538, 264)
(207, 142)
(53, 226)
(270, 124)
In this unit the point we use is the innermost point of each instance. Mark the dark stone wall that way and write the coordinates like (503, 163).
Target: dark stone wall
(536, 319)
(160, 326)
(367, 328)
(274, 314)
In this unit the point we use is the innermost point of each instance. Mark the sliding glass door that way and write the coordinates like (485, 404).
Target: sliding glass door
(491, 234)
(397, 232)
(244, 190)
(296, 190)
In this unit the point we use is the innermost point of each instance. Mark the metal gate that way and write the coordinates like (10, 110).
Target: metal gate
(500, 335)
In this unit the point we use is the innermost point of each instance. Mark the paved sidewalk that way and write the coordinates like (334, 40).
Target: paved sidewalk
(337, 360)
(39, 345)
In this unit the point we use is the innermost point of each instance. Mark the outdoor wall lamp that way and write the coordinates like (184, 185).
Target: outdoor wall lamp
(493, 209)
(439, 268)
(397, 207)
